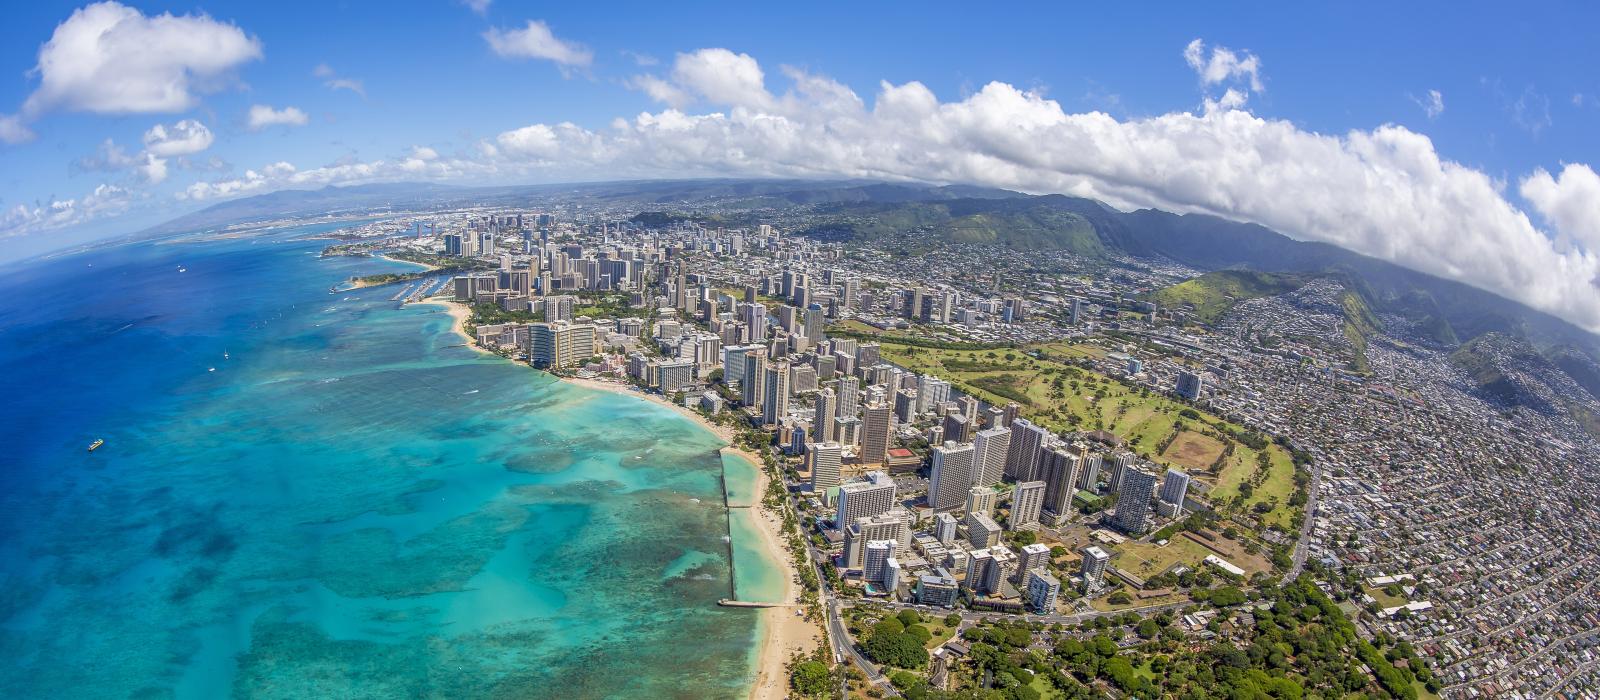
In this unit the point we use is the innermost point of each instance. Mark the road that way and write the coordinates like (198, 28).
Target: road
(1301, 543)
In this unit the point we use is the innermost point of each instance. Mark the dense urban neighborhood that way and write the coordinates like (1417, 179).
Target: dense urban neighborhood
(1022, 472)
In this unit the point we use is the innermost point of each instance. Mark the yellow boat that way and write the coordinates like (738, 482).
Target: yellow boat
(96, 444)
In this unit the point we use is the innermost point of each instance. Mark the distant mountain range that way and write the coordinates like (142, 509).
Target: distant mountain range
(1450, 314)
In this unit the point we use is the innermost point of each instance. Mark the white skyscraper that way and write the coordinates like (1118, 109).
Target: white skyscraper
(992, 446)
(1174, 489)
(1095, 561)
(1033, 556)
(878, 554)
(826, 427)
(874, 495)
(849, 397)
(1026, 504)
(877, 424)
(825, 459)
(775, 403)
(1043, 590)
(1059, 469)
(952, 476)
(931, 391)
(944, 528)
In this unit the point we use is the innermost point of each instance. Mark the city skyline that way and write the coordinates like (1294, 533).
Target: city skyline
(1439, 156)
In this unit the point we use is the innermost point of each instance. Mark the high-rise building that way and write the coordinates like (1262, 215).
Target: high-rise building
(1190, 385)
(931, 391)
(1089, 472)
(1120, 461)
(849, 397)
(1013, 412)
(988, 568)
(893, 525)
(969, 409)
(876, 425)
(1033, 556)
(944, 528)
(982, 531)
(1059, 467)
(753, 383)
(892, 574)
(813, 325)
(873, 495)
(979, 566)
(1174, 489)
(1095, 561)
(674, 376)
(868, 354)
(824, 461)
(980, 499)
(826, 428)
(775, 402)
(1027, 440)
(993, 445)
(1043, 589)
(878, 552)
(560, 344)
(905, 405)
(951, 477)
(994, 417)
(938, 589)
(957, 428)
(1133, 501)
(1026, 504)
(558, 308)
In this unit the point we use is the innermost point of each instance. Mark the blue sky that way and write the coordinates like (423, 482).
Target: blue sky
(1313, 86)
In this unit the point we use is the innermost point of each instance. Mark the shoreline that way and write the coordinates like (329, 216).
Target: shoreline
(458, 321)
(425, 266)
(782, 632)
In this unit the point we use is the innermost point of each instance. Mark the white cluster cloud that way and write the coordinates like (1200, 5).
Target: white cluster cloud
(264, 116)
(105, 200)
(162, 142)
(1384, 192)
(112, 59)
(537, 41)
(1569, 201)
(284, 175)
(1223, 65)
(184, 138)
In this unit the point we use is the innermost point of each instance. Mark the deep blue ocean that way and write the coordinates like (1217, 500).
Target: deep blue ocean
(305, 495)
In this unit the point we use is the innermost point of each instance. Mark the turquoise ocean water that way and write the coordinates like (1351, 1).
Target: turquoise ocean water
(306, 494)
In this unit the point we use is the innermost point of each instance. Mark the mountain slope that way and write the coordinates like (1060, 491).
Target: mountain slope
(1215, 293)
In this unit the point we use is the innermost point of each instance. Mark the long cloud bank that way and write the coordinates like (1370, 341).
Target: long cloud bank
(1384, 192)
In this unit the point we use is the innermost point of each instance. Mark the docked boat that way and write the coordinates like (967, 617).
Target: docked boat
(96, 444)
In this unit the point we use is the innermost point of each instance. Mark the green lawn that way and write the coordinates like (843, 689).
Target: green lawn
(1279, 483)
(1146, 560)
(1044, 687)
(1384, 599)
